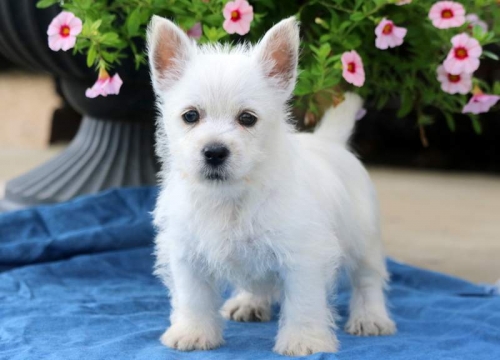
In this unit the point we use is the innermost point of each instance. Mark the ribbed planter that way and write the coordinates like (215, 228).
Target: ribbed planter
(114, 145)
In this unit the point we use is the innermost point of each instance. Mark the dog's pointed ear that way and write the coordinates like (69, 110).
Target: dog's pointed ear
(278, 52)
(169, 49)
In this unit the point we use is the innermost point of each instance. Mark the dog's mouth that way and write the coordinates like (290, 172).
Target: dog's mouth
(215, 177)
(217, 174)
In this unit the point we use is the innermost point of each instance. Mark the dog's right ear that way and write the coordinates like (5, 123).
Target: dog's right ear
(278, 52)
(169, 49)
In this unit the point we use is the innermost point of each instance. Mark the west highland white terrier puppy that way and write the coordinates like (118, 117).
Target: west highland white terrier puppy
(246, 200)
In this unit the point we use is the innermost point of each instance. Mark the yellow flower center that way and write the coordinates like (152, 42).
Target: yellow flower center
(447, 14)
(454, 78)
(461, 53)
(235, 15)
(65, 30)
(387, 29)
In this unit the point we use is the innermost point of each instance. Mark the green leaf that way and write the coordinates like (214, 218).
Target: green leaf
(210, 33)
(324, 38)
(496, 88)
(212, 18)
(302, 90)
(450, 121)
(134, 22)
(109, 57)
(351, 41)
(213, 34)
(91, 55)
(357, 16)
(109, 38)
(42, 4)
(476, 124)
(342, 26)
(490, 55)
(382, 100)
(478, 32)
(86, 4)
(424, 119)
(95, 25)
(324, 51)
(406, 104)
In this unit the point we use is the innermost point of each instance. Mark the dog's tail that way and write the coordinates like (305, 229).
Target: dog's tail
(338, 122)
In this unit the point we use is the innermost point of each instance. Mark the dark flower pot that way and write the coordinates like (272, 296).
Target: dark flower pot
(114, 146)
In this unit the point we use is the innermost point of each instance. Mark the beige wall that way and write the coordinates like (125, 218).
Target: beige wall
(27, 102)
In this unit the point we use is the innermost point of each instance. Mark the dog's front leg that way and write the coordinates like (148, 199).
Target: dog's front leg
(306, 324)
(195, 322)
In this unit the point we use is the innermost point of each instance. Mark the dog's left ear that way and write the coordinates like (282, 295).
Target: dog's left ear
(278, 52)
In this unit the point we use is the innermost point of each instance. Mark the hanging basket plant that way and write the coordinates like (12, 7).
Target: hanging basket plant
(425, 53)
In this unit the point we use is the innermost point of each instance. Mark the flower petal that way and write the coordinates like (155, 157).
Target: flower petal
(247, 18)
(75, 26)
(471, 65)
(400, 31)
(53, 30)
(228, 9)
(452, 66)
(381, 42)
(65, 17)
(68, 43)
(115, 84)
(229, 26)
(55, 42)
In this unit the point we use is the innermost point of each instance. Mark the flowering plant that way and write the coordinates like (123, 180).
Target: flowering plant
(422, 52)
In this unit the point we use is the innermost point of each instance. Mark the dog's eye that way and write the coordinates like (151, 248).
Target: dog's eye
(247, 119)
(191, 116)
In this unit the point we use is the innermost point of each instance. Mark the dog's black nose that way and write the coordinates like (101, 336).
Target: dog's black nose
(215, 154)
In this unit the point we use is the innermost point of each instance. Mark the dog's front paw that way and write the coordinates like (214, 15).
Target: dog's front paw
(187, 337)
(370, 324)
(244, 309)
(302, 342)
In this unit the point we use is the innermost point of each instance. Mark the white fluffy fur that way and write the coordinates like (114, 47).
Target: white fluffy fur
(293, 209)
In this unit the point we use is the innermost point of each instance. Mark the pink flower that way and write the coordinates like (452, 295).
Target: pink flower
(474, 20)
(403, 2)
(447, 14)
(196, 31)
(353, 71)
(105, 85)
(480, 103)
(238, 15)
(63, 30)
(452, 84)
(464, 56)
(389, 35)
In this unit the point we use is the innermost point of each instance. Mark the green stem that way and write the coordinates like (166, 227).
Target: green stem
(336, 7)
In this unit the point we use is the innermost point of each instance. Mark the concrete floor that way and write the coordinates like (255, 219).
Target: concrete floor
(440, 221)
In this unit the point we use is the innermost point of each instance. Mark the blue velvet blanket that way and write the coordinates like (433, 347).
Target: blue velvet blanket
(76, 283)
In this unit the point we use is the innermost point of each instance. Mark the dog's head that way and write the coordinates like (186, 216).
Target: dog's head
(221, 107)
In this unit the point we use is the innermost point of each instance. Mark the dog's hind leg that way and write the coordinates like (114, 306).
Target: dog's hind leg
(368, 311)
(246, 306)
(251, 303)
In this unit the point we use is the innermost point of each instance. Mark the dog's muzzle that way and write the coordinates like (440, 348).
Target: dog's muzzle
(215, 156)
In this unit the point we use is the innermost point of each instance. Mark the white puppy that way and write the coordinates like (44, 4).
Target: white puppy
(246, 200)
